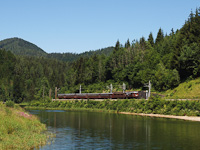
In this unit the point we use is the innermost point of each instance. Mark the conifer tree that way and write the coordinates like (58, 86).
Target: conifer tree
(127, 44)
(117, 46)
(160, 36)
(150, 39)
(142, 40)
(196, 13)
(172, 32)
(191, 16)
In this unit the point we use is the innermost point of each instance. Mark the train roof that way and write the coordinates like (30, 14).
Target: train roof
(130, 92)
(85, 94)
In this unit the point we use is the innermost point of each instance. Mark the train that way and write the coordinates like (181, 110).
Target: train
(115, 95)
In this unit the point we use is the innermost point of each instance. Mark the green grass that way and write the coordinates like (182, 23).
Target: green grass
(187, 90)
(20, 130)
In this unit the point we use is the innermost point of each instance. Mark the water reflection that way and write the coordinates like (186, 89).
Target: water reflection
(94, 130)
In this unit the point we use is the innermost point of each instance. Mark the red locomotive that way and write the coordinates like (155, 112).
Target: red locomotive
(115, 95)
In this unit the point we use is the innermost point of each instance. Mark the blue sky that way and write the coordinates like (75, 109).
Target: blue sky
(82, 25)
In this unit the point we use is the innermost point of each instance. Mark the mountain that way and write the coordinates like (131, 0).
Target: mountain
(21, 47)
(70, 57)
(106, 51)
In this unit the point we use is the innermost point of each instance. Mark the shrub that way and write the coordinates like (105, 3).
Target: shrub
(10, 103)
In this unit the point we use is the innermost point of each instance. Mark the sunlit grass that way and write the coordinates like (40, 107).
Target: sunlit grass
(20, 130)
(186, 90)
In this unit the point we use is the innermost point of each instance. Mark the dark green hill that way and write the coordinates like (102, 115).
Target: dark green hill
(106, 51)
(70, 57)
(21, 47)
(24, 48)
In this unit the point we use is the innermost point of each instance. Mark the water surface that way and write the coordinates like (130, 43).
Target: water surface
(98, 130)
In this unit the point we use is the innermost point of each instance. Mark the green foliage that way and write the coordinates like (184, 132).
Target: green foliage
(160, 36)
(165, 79)
(29, 78)
(71, 57)
(10, 103)
(189, 60)
(155, 105)
(150, 39)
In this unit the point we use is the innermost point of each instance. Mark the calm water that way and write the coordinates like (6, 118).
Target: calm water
(97, 130)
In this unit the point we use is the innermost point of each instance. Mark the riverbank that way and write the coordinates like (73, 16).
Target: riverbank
(154, 107)
(189, 118)
(20, 130)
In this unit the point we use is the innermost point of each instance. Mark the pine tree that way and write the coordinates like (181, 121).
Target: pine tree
(191, 17)
(127, 44)
(150, 39)
(160, 36)
(172, 32)
(196, 13)
(142, 42)
(117, 46)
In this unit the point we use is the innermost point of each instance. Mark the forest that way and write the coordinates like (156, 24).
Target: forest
(21, 47)
(166, 60)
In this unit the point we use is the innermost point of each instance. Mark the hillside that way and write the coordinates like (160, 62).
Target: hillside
(106, 51)
(70, 57)
(24, 48)
(21, 47)
(187, 90)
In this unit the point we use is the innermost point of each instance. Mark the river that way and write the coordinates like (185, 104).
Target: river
(99, 130)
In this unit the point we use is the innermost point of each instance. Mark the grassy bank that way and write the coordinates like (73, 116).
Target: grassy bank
(20, 130)
(187, 90)
(154, 105)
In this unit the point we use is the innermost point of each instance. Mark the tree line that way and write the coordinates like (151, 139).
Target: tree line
(166, 60)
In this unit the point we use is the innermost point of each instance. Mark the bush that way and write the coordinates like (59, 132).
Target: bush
(10, 103)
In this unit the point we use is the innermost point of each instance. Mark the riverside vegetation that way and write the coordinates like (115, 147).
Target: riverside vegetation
(20, 130)
(155, 105)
